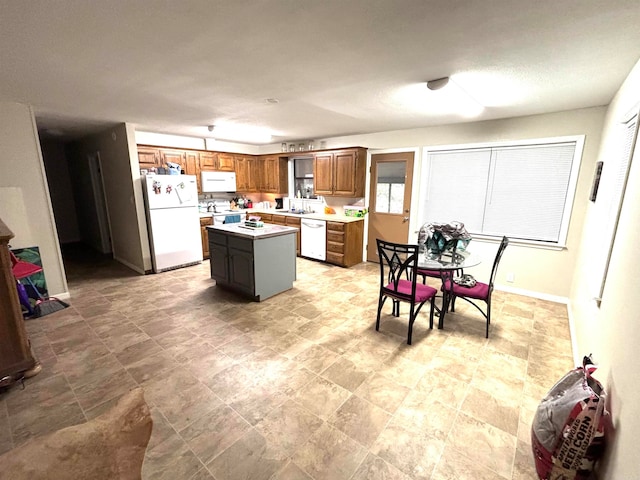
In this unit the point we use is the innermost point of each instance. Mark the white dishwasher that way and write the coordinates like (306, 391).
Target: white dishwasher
(313, 238)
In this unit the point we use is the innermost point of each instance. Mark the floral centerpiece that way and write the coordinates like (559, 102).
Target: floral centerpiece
(444, 239)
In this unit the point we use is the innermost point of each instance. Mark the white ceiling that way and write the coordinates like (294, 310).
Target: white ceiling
(337, 67)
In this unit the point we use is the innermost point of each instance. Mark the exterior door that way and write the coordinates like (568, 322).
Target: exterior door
(389, 199)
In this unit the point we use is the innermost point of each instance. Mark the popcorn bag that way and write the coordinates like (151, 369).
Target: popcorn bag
(568, 430)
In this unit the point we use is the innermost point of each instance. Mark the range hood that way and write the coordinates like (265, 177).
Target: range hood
(218, 182)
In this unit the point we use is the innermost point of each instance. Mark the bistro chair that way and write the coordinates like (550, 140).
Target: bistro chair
(398, 275)
(481, 292)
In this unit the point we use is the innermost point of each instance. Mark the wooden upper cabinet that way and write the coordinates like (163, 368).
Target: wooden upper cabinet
(247, 175)
(192, 166)
(340, 173)
(172, 155)
(323, 174)
(226, 162)
(274, 174)
(208, 161)
(148, 157)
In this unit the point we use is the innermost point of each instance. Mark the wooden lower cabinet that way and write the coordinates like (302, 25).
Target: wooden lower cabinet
(345, 243)
(205, 236)
(16, 357)
(295, 222)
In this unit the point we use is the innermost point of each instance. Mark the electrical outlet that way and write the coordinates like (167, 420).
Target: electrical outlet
(511, 277)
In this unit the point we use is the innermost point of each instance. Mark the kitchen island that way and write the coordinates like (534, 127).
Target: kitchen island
(255, 262)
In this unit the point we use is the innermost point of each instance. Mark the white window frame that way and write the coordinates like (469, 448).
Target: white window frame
(571, 187)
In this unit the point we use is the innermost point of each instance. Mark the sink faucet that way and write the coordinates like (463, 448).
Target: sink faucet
(211, 207)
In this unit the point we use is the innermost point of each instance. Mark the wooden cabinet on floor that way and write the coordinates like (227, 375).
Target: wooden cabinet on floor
(204, 221)
(344, 243)
(340, 173)
(295, 222)
(15, 352)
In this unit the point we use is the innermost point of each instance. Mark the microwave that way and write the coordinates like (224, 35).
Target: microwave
(218, 181)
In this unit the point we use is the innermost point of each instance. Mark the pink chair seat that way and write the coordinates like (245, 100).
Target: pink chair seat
(479, 291)
(423, 292)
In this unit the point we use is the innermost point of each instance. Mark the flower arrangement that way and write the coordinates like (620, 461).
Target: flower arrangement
(441, 238)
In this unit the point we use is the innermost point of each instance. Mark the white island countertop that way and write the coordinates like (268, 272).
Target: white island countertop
(240, 230)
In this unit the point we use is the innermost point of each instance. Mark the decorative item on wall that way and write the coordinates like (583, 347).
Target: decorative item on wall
(596, 181)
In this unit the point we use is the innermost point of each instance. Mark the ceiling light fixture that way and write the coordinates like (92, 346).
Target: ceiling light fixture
(438, 83)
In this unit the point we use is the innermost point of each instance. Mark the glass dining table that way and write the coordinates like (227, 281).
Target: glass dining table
(447, 267)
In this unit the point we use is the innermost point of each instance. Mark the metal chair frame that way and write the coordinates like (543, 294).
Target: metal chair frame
(399, 262)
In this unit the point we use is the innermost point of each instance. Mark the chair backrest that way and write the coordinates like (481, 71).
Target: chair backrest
(494, 270)
(398, 261)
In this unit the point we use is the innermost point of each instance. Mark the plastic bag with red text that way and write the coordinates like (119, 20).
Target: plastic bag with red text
(568, 430)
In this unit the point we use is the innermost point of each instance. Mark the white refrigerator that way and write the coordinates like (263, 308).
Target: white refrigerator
(173, 220)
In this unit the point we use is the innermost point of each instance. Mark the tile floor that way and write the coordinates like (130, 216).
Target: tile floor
(300, 386)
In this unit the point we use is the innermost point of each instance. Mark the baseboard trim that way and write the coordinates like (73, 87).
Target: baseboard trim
(133, 267)
(531, 293)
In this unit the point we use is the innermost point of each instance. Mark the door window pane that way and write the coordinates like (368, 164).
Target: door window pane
(390, 187)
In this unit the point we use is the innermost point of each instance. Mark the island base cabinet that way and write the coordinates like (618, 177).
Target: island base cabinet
(258, 268)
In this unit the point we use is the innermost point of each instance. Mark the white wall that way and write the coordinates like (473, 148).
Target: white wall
(21, 167)
(123, 191)
(611, 332)
(542, 272)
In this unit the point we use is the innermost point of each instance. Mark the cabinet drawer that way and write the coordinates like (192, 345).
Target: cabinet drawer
(336, 258)
(265, 217)
(217, 238)
(293, 221)
(335, 247)
(335, 226)
(204, 221)
(335, 237)
(243, 244)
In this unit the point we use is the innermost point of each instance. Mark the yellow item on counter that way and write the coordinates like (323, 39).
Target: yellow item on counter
(329, 210)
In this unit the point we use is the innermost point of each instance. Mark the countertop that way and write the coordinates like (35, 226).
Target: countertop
(239, 230)
(286, 213)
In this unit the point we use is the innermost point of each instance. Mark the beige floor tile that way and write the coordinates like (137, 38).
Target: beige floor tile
(330, 455)
(250, 457)
(321, 397)
(374, 468)
(214, 432)
(455, 466)
(289, 426)
(412, 451)
(483, 444)
(309, 347)
(170, 460)
(383, 392)
(360, 420)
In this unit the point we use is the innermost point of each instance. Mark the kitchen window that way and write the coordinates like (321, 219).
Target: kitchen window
(521, 190)
(303, 177)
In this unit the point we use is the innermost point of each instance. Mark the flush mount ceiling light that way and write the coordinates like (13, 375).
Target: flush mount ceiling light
(452, 98)
(438, 83)
(240, 133)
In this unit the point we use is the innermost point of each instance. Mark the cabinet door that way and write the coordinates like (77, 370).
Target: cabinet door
(323, 174)
(241, 269)
(192, 166)
(344, 164)
(208, 161)
(148, 157)
(219, 262)
(295, 222)
(173, 156)
(274, 174)
(226, 162)
(242, 173)
(205, 242)
(254, 174)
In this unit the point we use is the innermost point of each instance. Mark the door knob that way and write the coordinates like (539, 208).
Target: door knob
(405, 219)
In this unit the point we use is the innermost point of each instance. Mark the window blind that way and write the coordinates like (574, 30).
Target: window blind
(520, 190)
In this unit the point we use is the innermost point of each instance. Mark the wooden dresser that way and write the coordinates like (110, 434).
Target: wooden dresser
(16, 356)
